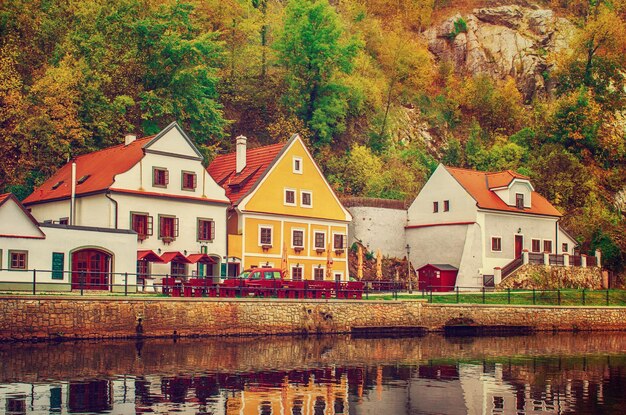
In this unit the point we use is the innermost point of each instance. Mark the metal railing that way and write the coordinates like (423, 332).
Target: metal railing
(81, 282)
(559, 297)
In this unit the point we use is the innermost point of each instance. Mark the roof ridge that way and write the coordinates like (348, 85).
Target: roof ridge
(111, 147)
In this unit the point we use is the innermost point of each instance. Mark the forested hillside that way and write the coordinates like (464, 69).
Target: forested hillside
(382, 90)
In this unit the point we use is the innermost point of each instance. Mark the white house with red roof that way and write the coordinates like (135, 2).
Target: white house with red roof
(156, 186)
(41, 253)
(476, 221)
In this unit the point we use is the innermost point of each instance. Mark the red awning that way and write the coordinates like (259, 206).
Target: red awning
(148, 255)
(201, 258)
(174, 256)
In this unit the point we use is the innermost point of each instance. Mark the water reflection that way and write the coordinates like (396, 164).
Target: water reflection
(543, 374)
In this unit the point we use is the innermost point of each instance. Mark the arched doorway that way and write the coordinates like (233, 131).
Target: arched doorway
(91, 269)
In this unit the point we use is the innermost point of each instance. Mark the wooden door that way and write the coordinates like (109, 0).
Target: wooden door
(90, 269)
(519, 245)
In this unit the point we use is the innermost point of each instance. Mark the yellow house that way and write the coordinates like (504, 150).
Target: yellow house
(282, 205)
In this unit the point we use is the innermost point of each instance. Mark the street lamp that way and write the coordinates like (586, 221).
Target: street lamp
(408, 266)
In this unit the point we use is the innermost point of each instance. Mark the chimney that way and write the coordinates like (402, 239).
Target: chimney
(241, 153)
(129, 138)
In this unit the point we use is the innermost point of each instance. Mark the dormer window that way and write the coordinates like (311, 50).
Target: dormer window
(83, 179)
(519, 200)
(57, 184)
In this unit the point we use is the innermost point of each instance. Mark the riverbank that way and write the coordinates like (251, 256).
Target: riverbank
(63, 317)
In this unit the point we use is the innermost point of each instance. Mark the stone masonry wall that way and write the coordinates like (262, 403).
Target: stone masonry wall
(63, 317)
(552, 277)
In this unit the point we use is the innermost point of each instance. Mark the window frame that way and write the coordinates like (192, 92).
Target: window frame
(446, 206)
(499, 240)
(310, 193)
(564, 247)
(315, 233)
(544, 246)
(183, 175)
(316, 269)
(293, 165)
(519, 197)
(338, 274)
(17, 252)
(344, 241)
(175, 227)
(293, 231)
(435, 207)
(271, 228)
(166, 177)
(532, 247)
(295, 195)
(149, 224)
(301, 272)
(178, 264)
(211, 229)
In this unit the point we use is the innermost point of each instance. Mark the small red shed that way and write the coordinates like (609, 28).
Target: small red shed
(438, 277)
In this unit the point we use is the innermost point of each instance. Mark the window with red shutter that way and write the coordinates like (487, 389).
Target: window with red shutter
(142, 224)
(160, 177)
(189, 180)
(168, 227)
(206, 230)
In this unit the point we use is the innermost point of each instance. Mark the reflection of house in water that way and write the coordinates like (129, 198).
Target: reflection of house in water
(534, 386)
(311, 392)
(426, 389)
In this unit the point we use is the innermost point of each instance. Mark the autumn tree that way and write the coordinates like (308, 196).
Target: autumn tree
(314, 52)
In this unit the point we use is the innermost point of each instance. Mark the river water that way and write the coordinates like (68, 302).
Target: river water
(581, 373)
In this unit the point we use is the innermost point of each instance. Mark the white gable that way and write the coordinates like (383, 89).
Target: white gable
(14, 222)
(442, 187)
(173, 140)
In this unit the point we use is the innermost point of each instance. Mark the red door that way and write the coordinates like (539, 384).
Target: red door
(519, 244)
(90, 269)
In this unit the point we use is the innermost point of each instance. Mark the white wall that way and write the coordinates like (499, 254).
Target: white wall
(187, 213)
(379, 228)
(13, 221)
(506, 226)
(437, 245)
(95, 210)
(442, 186)
(139, 177)
(122, 246)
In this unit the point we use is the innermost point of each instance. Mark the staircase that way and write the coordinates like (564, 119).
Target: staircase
(511, 267)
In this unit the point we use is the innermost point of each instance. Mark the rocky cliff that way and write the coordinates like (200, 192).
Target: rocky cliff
(503, 41)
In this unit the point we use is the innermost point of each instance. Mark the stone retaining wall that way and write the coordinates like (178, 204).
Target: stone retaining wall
(544, 277)
(23, 318)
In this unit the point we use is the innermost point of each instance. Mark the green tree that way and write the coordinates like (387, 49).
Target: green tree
(314, 53)
(180, 79)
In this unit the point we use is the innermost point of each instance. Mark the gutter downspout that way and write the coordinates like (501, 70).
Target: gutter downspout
(108, 196)
(556, 237)
(73, 196)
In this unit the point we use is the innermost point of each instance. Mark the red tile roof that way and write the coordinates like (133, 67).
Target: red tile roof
(503, 178)
(479, 183)
(101, 167)
(4, 197)
(258, 161)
